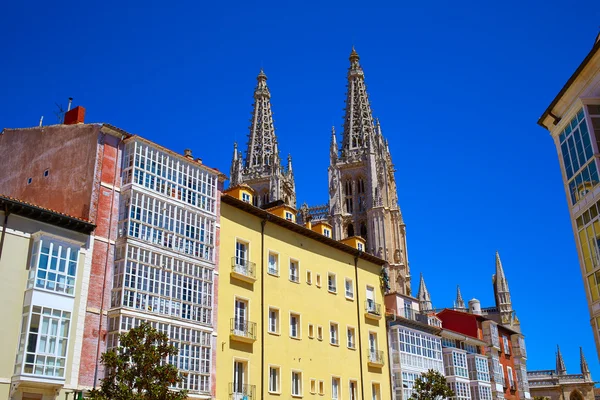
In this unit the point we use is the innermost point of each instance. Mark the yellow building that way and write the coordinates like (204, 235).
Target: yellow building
(45, 257)
(300, 314)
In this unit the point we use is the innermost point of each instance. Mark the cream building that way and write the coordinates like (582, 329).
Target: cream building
(45, 257)
(573, 119)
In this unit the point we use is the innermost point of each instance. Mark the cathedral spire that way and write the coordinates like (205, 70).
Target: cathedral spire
(585, 370)
(423, 296)
(502, 293)
(459, 303)
(358, 119)
(560, 363)
(333, 148)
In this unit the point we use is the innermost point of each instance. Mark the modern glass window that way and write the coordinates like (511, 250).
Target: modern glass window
(53, 266)
(295, 325)
(274, 379)
(296, 383)
(44, 341)
(331, 282)
(349, 288)
(294, 271)
(333, 334)
(335, 388)
(273, 264)
(273, 320)
(351, 337)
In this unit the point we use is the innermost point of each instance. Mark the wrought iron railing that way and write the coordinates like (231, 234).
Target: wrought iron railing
(372, 308)
(243, 328)
(376, 357)
(243, 267)
(241, 391)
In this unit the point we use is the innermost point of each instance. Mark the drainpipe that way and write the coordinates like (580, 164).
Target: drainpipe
(262, 307)
(106, 265)
(6, 213)
(360, 355)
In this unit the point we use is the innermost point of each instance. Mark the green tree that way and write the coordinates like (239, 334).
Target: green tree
(431, 385)
(138, 368)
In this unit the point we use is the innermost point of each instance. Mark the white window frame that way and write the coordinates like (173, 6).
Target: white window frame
(277, 379)
(277, 321)
(309, 277)
(296, 263)
(334, 334)
(349, 295)
(330, 288)
(319, 332)
(298, 325)
(299, 392)
(318, 280)
(351, 344)
(338, 395)
(270, 271)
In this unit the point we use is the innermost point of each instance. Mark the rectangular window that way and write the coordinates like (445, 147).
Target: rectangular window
(295, 326)
(318, 280)
(376, 392)
(241, 253)
(320, 332)
(54, 266)
(321, 388)
(351, 337)
(311, 331)
(331, 282)
(327, 232)
(511, 379)
(289, 216)
(246, 197)
(274, 380)
(296, 383)
(273, 320)
(360, 246)
(353, 390)
(313, 386)
(349, 289)
(495, 337)
(294, 271)
(335, 388)
(44, 341)
(408, 311)
(506, 345)
(273, 264)
(333, 334)
(309, 277)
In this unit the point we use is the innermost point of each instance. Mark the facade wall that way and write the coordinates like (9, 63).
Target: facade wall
(316, 307)
(66, 151)
(30, 282)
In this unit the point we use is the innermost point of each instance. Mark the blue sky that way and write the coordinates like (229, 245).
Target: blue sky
(458, 89)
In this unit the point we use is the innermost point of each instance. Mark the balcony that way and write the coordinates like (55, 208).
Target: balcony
(238, 391)
(376, 358)
(243, 331)
(372, 309)
(243, 269)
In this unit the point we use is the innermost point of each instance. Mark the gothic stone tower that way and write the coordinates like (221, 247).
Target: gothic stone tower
(262, 169)
(363, 199)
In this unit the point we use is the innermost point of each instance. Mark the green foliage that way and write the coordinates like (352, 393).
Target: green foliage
(431, 385)
(138, 368)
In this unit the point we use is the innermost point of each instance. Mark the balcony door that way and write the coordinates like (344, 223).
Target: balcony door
(241, 257)
(370, 299)
(239, 380)
(241, 317)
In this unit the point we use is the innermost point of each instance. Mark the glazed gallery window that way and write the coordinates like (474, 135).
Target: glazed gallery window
(53, 266)
(44, 342)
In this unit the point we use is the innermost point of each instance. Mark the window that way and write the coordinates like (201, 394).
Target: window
(408, 312)
(497, 370)
(242, 265)
(511, 379)
(376, 392)
(313, 386)
(274, 380)
(349, 289)
(309, 277)
(241, 326)
(456, 364)
(296, 383)
(294, 271)
(273, 320)
(320, 332)
(273, 264)
(418, 350)
(331, 284)
(29, 181)
(54, 266)
(318, 280)
(335, 388)
(353, 390)
(311, 331)
(506, 344)
(478, 368)
(351, 337)
(494, 334)
(327, 232)
(461, 390)
(289, 216)
(44, 341)
(372, 307)
(295, 326)
(240, 378)
(321, 388)
(246, 197)
(360, 246)
(333, 334)
(46, 172)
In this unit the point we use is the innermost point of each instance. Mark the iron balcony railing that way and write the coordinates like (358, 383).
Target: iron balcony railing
(243, 267)
(241, 391)
(243, 328)
(372, 308)
(376, 357)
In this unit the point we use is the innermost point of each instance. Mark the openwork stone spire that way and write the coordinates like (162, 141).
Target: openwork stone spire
(358, 119)
(502, 293)
(262, 169)
(585, 370)
(560, 363)
(423, 296)
(459, 303)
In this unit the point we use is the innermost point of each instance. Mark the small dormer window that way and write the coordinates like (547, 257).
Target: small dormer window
(360, 246)
(289, 216)
(246, 197)
(327, 232)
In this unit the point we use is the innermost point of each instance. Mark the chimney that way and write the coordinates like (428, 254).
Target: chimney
(187, 153)
(308, 223)
(199, 160)
(75, 116)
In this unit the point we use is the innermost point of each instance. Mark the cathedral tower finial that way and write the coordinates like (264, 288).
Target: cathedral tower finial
(423, 296)
(560, 363)
(585, 370)
(459, 303)
(502, 293)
